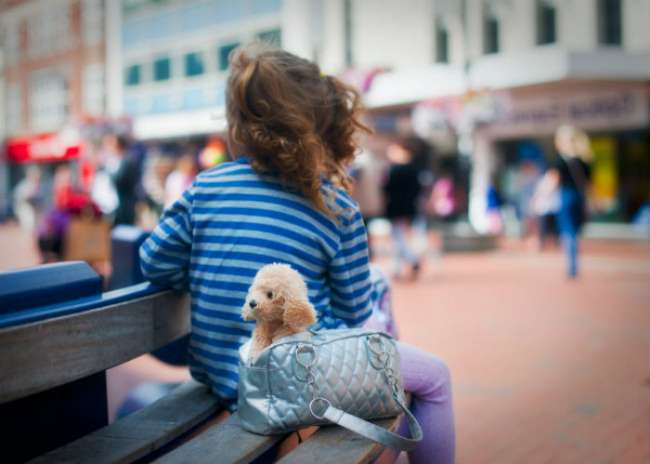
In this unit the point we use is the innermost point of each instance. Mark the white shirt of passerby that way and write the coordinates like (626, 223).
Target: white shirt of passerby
(103, 193)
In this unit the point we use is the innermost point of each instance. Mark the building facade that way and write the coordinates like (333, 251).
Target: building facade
(546, 63)
(172, 57)
(54, 63)
(498, 76)
(4, 172)
(54, 81)
(503, 75)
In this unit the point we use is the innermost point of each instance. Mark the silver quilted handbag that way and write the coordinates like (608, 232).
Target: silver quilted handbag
(340, 376)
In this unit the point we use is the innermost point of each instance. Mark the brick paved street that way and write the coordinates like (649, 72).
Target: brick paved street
(544, 370)
(16, 248)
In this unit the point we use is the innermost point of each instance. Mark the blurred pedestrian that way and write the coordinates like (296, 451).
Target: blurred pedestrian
(443, 202)
(423, 161)
(528, 176)
(402, 190)
(124, 174)
(545, 204)
(180, 178)
(156, 170)
(69, 202)
(570, 174)
(494, 203)
(28, 199)
(367, 173)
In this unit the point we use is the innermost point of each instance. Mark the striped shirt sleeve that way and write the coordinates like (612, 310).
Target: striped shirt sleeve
(165, 255)
(349, 276)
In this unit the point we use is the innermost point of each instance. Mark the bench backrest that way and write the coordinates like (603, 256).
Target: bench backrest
(86, 336)
(53, 357)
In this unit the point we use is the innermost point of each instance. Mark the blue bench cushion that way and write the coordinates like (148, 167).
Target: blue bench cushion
(46, 285)
(55, 290)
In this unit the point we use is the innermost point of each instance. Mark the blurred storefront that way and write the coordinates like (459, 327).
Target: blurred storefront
(601, 90)
(422, 102)
(615, 115)
(53, 75)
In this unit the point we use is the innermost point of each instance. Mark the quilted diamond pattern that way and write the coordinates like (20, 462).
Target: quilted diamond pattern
(343, 375)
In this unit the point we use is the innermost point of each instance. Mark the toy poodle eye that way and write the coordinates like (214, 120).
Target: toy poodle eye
(269, 295)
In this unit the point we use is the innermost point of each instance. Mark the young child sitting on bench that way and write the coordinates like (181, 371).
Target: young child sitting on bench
(284, 199)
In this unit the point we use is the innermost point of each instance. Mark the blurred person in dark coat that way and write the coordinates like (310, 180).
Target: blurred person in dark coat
(402, 189)
(124, 173)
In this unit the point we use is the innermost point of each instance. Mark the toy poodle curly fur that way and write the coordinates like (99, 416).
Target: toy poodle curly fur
(277, 300)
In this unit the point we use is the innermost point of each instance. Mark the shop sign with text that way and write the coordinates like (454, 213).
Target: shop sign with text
(593, 111)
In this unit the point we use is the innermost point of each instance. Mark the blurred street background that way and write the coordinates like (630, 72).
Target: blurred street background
(490, 113)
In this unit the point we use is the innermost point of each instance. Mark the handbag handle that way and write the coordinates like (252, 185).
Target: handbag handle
(355, 423)
(370, 430)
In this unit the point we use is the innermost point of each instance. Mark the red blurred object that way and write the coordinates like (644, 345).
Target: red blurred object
(87, 170)
(41, 148)
(66, 198)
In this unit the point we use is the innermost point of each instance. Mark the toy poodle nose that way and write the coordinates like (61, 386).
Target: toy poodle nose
(252, 303)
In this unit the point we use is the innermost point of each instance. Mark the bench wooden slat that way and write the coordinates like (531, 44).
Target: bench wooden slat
(336, 445)
(225, 442)
(142, 432)
(41, 355)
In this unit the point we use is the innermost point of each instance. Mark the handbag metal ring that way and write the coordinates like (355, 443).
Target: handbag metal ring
(305, 349)
(311, 407)
(307, 365)
(381, 357)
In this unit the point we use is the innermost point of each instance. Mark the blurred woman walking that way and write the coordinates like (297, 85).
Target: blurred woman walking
(570, 176)
(402, 191)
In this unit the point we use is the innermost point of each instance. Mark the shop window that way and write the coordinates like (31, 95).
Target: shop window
(442, 43)
(272, 36)
(10, 37)
(49, 29)
(133, 75)
(546, 22)
(610, 22)
(194, 64)
(223, 53)
(491, 33)
(48, 101)
(162, 69)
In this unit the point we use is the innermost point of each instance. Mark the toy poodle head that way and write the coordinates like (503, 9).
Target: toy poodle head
(278, 294)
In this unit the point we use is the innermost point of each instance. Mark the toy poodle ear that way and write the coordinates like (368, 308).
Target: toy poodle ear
(298, 314)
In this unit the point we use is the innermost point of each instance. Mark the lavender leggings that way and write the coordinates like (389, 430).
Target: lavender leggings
(426, 378)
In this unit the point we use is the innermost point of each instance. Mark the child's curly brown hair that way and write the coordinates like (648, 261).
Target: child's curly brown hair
(291, 120)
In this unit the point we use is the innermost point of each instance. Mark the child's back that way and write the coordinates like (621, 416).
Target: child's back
(231, 222)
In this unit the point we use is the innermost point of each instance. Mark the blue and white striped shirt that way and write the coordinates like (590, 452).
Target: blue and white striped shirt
(227, 225)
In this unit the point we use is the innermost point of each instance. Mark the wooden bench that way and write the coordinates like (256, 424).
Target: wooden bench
(44, 354)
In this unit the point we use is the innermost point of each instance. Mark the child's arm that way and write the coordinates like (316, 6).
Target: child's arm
(165, 255)
(349, 276)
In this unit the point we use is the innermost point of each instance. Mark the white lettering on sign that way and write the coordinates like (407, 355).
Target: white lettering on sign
(47, 149)
(597, 110)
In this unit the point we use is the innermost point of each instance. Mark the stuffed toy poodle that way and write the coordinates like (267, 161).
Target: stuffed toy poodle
(277, 300)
